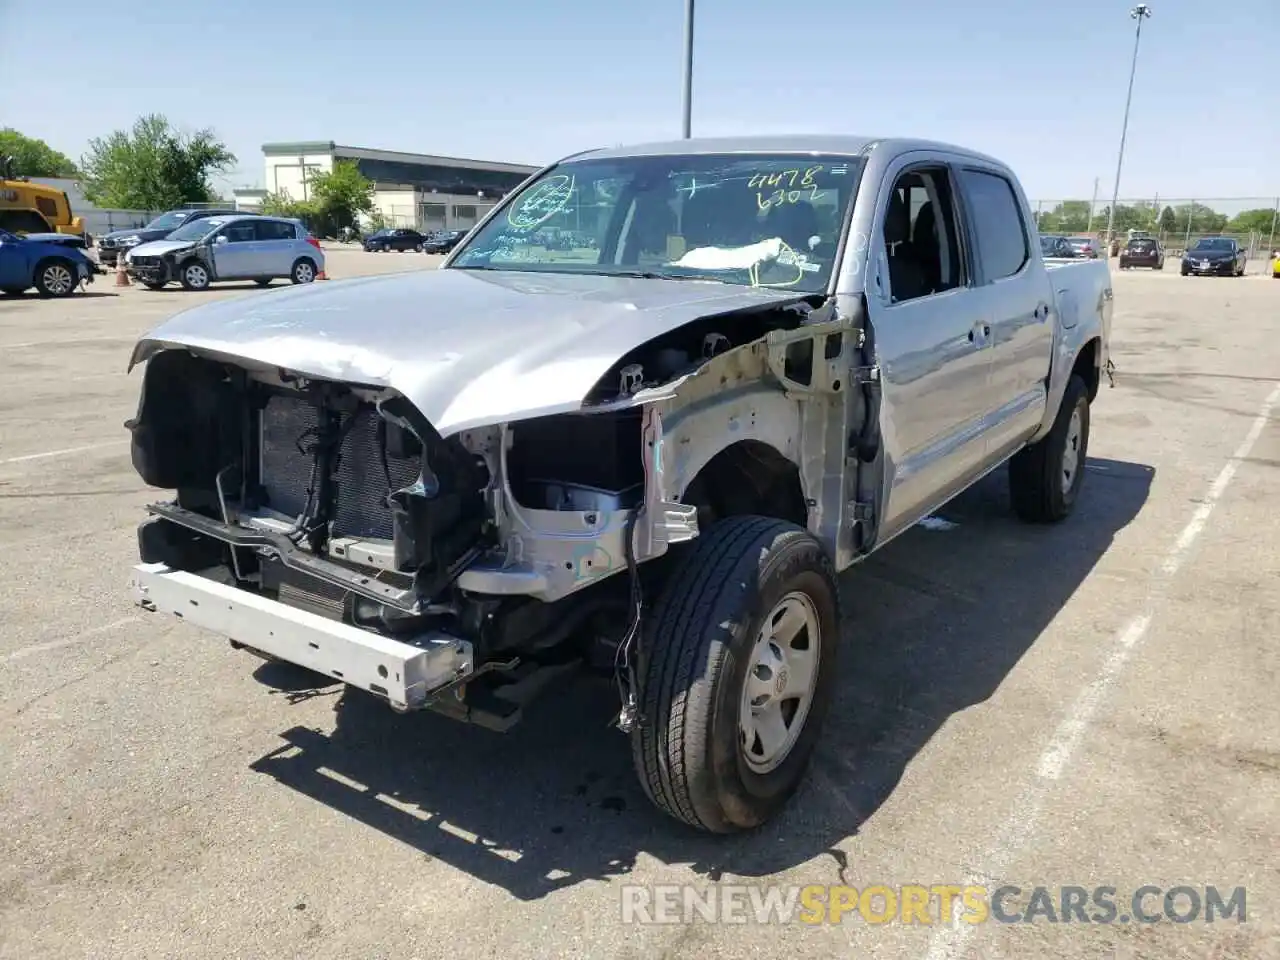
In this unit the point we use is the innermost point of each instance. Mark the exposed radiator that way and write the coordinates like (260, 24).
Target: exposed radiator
(360, 509)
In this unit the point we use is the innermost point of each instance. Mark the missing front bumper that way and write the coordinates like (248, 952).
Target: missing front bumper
(406, 674)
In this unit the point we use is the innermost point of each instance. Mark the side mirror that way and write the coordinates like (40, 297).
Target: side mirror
(221, 239)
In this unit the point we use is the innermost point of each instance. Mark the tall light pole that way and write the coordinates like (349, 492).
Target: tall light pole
(688, 68)
(1139, 13)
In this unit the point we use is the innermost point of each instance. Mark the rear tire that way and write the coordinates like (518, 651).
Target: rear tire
(304, 270)
(1045, 478)
(735, 674)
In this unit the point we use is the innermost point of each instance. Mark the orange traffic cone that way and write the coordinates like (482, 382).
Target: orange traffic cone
(122, 277)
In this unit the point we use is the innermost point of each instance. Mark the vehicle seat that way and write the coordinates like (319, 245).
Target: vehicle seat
(795, 223)
(654, 222)
(906, 279)
(925, 247)
(711, 219)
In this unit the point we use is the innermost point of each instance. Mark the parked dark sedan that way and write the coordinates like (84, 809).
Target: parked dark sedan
(394, 238)
(1142, 252)
(111, 245)
(1215, 256)
(443, 241)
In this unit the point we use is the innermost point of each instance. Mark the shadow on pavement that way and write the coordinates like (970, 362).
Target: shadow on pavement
(937, 619)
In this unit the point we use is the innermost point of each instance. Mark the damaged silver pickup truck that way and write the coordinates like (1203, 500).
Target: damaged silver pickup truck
(648, 451)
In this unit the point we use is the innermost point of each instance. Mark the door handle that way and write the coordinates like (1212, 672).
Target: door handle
(979, 332)
(1042, 312)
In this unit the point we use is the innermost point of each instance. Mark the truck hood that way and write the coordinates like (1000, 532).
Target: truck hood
(467, 348)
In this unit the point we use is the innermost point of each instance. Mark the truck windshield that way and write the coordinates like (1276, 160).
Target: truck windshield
(768, 220)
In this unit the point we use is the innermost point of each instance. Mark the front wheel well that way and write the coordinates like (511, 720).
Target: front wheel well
(749, 477)
(1087, 369)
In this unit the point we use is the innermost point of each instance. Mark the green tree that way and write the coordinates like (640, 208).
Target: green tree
(1135, 217)
(34, 158)
(1198, 218)
(153, 166)
(1168, 220)
(1071, 216)
(340, 195)
(1257, 220)
(280, 204)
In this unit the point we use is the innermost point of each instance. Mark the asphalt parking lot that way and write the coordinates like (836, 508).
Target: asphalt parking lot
(1091, 704)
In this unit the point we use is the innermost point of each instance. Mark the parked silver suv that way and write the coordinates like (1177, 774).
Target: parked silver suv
(229, 248)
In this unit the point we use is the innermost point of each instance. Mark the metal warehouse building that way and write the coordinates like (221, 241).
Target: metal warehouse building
(412, 189)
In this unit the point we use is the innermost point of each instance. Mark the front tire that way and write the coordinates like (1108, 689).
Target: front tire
(735, 674)
(56, 277)
(1045, 478)
(194, 275)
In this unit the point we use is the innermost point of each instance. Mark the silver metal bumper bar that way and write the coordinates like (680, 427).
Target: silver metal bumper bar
(404, 673)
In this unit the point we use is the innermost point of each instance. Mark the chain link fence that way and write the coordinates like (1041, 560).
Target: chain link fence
(1178, 222)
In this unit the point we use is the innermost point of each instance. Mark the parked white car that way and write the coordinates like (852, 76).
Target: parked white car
(229, 248)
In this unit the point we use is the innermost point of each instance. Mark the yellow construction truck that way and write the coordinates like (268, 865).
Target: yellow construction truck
(28, 207)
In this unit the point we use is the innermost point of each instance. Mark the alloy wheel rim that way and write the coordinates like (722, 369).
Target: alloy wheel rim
(57, 279)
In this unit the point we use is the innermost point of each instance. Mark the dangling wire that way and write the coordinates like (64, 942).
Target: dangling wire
(624, 664)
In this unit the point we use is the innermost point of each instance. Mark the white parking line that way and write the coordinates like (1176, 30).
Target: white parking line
(67, 451)
(59, 343)
(36, 648)
(948, 942)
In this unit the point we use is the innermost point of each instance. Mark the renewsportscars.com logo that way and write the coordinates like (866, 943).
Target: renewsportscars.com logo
(920, 904)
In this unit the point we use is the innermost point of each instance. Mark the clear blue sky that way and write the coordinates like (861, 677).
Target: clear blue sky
(1040, 85)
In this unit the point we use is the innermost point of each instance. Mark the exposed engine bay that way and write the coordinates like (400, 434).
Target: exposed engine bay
(343, 501)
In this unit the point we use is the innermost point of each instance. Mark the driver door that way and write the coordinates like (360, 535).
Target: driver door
(932, 342)
(234, 250)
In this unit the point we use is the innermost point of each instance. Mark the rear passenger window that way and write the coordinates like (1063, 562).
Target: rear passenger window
(1001, 234)
(275, 230)
(239, 233)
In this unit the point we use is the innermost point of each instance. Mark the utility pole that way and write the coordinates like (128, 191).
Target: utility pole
(1092, 203)
(688, 69)
(1139, 13)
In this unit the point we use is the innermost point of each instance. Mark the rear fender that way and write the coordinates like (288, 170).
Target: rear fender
(1084, 315)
